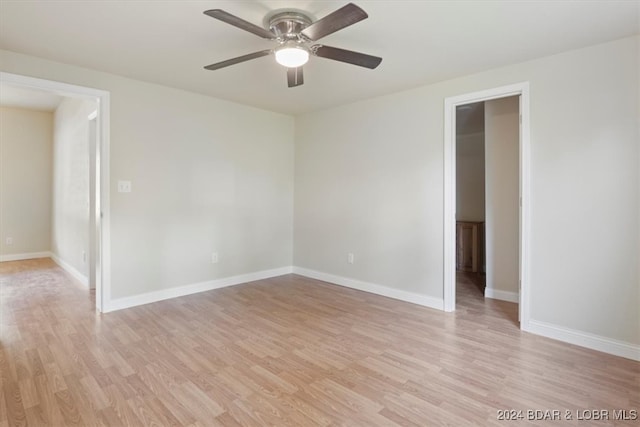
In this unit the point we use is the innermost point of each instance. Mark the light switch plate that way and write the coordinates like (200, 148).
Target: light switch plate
(124, 186)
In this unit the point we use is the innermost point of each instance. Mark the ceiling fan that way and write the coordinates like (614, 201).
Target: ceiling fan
(294, 31)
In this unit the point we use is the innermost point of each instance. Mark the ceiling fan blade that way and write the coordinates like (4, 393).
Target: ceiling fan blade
(237, 60)
(295, 77)
(341, 18)
(240, 23)
(342, 55)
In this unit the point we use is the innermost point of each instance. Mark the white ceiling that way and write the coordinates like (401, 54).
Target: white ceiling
(11, 96)
(421, 42)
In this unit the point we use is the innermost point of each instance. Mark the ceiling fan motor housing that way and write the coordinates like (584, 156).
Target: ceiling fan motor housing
(288, 25)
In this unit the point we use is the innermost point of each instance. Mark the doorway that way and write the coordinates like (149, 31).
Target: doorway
(471, 198)
(521, 91)
(487, 140)
(99, 236)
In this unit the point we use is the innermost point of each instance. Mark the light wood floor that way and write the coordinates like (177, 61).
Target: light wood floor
(288, 351)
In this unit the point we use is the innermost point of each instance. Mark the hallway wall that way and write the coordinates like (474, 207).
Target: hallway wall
(26, 141)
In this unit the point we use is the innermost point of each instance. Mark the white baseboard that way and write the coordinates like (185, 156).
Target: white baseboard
(71, 270)
(424, 300)
(501, 295)
(585, 339)
(150, 297)
(20, 257)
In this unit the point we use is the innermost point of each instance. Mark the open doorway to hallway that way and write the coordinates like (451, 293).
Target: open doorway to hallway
(486, 195)
(69, 229)
(470, 199)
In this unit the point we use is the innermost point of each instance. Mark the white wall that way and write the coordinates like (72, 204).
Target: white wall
(502, 138)
(25, 180)
(207, 175)
(369, 180)
(70, 211)
(470, 177)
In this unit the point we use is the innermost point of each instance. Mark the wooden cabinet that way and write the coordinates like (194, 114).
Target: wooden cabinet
(469, 246)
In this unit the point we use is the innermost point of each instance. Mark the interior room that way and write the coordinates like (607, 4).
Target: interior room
(210, 217)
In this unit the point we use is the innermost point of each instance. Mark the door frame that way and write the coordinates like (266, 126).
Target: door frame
(450, 105)
(101, 222)
(94, 192)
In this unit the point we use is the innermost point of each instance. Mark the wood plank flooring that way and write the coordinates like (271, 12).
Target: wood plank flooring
(288, 351)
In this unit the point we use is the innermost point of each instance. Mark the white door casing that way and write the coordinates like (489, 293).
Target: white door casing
(450, 104)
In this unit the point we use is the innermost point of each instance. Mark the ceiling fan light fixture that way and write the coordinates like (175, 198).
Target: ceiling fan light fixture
(293, 31)
(292, 56)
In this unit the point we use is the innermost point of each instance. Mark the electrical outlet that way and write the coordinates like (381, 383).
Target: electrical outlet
(9, 241)
(84, 257)
(350, 258)
(214, 257)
